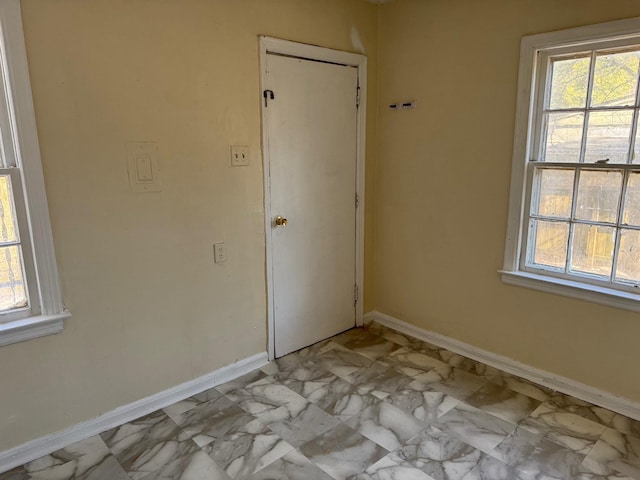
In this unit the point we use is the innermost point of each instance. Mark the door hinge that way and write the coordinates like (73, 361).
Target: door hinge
(355, 294)
(357, 200)
(358, 96)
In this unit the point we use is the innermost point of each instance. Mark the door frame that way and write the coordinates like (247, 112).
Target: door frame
(312, 52)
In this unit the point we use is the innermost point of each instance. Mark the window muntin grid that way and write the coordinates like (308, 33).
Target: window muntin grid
(16, 264)
(587, 140)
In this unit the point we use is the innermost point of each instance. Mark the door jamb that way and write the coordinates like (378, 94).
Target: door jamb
(312, 52)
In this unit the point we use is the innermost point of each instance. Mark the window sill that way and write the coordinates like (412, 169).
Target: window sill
(32, 327)
(573, 289)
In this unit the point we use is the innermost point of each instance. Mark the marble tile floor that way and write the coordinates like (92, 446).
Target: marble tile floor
(368, 404)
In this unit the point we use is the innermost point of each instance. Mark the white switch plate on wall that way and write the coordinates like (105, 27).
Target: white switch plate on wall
(239, 155)
(142, 159)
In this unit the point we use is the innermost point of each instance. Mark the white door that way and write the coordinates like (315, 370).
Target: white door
(311, 133)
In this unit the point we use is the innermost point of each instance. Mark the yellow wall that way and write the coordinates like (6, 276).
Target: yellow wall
(443, 185)
(150, 308)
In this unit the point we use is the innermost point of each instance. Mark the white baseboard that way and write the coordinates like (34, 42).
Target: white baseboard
(29, 451)
(555, 382)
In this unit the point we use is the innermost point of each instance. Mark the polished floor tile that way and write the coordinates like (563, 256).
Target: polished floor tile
(342, 452)
(503, 403)
(439, 455)
(520, 385)
(18, 473)
(368, 404)
(424, 404)
(476, 427)
(293, 466)
(247, 448)
(342, 399)
(386, 425)
(299, 423)
(567, 429)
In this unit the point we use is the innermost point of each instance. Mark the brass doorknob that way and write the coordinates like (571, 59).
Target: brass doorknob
(280, 222)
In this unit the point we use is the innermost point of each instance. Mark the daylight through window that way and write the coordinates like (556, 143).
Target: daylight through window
(574, 210)
(584, 216)
(30, 300)
(14, 232)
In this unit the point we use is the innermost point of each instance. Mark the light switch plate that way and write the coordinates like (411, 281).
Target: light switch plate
(239, 155)
(142, 158)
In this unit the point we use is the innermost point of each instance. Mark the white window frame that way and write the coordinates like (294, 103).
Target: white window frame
(46, 313)
(534, 49)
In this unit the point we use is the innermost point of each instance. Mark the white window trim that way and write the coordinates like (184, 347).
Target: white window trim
(525, 109)
(50, 317)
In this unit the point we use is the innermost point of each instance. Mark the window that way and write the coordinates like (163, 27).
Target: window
(30, 300)
(574, 221)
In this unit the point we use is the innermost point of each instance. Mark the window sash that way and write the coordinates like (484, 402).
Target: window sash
(533, 51)
(24, 242)
(541, 90)
(8, 157)
(527, 247)
(526, 263)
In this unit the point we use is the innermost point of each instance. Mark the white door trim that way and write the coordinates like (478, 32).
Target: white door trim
(285, 47)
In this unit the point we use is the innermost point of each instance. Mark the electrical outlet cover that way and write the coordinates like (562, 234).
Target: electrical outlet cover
(219, 252)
